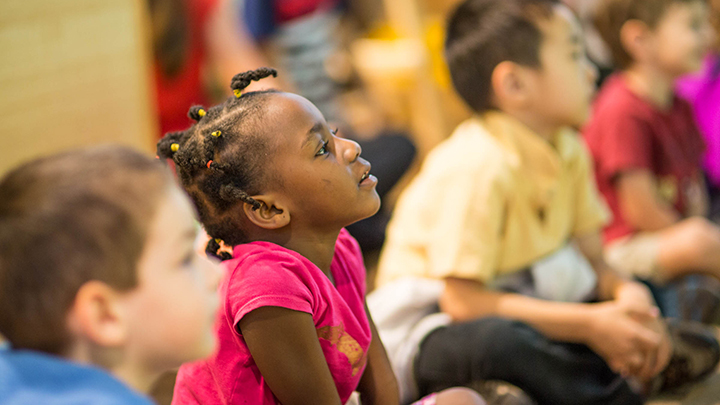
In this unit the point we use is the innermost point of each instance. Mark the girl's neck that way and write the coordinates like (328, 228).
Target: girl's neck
(650, 84)
(318, 247)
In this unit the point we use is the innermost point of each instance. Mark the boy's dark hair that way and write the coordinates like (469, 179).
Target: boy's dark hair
(611, 15)
(65, 220)
(219, 159)
(483, 33)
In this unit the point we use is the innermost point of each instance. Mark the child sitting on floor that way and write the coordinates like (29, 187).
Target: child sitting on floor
(97, 266)
(646, 145)
(271, 179)
(500, 231)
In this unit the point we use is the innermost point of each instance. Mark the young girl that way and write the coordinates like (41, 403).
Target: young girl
(270, 178)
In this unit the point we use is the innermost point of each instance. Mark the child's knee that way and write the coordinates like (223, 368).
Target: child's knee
(459, 396)
(702, 236)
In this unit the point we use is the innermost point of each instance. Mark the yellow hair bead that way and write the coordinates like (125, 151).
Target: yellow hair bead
(174, 147)
(237, 93)
(218, 241)
(216, 134)
(201, 112)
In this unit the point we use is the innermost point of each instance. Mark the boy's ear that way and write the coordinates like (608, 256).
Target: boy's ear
(509, 85)
(633, 38)
(97, 315)
(271, 215)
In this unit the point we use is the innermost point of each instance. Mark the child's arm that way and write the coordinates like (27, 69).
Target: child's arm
(285, 347)
(378, 384)
(639, 202)
(698, 200)
(635, 298)
(608, 328)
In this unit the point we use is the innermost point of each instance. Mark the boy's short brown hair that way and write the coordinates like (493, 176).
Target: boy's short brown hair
(483, 33)
(65, 220)
(611, 15)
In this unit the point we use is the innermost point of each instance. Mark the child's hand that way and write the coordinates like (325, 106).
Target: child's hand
(626, 344)
(655, 362)
(637, 301)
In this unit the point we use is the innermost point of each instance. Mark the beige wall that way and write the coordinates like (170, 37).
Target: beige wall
(72, 72)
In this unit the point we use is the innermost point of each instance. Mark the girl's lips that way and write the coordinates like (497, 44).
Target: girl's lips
(368, 180)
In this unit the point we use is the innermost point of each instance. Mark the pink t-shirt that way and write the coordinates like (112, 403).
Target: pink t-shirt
(264, 274)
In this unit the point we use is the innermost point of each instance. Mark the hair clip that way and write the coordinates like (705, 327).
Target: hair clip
(201, 112)
(174, 147)
(209, 163)
(237, 93)
(216, 134)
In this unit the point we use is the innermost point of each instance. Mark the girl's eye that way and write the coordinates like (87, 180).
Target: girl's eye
(323, 150)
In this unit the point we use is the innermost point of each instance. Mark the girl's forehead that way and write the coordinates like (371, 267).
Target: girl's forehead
(293, 110)
(291, 117)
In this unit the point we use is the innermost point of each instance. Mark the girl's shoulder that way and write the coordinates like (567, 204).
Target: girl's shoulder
(264, 256)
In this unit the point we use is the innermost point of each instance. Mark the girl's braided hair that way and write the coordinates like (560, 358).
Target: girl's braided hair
(219, 158)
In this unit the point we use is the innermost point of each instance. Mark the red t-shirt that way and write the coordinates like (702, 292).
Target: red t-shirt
(175, 95)
(288, 10)
(627, 133)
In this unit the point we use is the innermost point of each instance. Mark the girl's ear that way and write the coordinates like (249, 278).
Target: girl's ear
(97, 315)
(270, 215)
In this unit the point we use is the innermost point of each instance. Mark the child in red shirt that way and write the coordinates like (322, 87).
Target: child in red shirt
(645, 143)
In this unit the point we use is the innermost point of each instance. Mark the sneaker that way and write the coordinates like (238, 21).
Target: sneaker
(496, 392)
(696, 353)
(699, 299)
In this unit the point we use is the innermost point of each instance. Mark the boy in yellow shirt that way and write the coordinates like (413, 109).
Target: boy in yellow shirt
(505, 216)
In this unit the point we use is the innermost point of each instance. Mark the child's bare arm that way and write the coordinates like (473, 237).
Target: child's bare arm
(378, 384)
(285, 347)
(698, 201)
(606, 327)
(634, 298)
(639, 202)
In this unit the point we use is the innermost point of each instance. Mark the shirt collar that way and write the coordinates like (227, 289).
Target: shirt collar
(540, 160)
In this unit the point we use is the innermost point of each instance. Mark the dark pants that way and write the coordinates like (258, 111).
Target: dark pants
(500, 349)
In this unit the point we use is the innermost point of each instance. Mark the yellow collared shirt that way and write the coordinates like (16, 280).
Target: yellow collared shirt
(490, 200)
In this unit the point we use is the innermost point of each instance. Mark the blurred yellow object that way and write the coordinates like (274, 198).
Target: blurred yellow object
(435, 41)
(174, 147)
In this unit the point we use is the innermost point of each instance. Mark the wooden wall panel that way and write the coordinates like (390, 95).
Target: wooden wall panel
(73, 72)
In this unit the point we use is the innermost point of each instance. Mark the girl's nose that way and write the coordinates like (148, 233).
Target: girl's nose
(351, 149)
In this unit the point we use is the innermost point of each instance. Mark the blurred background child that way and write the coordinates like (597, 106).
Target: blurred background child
(98, 275)
(505, 218)
(648, 151)
(702, 90)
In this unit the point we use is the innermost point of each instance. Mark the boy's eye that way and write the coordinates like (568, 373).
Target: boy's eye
(323, 150)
